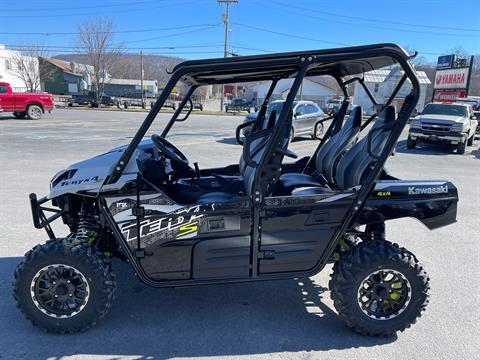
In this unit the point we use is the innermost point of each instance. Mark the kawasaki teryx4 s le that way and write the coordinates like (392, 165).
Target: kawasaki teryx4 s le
(260, 219)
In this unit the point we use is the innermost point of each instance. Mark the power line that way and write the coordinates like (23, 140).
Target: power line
(291, 11)
(96, 6)
(290, 35)
(113, 31)
(73, 14)
(378, 20)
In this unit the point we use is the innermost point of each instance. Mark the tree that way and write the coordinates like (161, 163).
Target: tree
(25, 65)
(95, 39)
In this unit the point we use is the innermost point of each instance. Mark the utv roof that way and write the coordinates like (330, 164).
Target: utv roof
(338, 62)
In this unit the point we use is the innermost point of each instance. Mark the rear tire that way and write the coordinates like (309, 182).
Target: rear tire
(34, 112)
(411, 144)
(20, 115)
(292, 135)
(379, 288)
(63, 288)
(462, 147)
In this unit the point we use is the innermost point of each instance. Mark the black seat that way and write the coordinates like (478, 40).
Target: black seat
(327, 156)
(249, 172)
(356, 164)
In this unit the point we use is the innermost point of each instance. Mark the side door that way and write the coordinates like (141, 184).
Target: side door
(182, 242)
(296, 230)
(7, 99)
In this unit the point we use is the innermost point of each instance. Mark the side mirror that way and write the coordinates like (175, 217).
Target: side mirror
(298, 113)
(473, 117)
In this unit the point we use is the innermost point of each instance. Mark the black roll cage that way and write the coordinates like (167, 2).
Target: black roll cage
(274, 67)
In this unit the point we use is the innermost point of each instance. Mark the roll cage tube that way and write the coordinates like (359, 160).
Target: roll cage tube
(272, 145)
(174, 117)
(387, 103)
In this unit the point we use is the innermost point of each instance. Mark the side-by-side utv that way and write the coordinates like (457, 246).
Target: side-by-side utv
(264, 218)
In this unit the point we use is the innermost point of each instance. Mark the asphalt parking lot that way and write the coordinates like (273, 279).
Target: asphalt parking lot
(293, 319)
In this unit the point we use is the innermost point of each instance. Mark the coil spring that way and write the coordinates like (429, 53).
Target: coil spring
(85, 228)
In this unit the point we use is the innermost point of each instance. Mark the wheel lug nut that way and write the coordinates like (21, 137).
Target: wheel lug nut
(68, 281)
(56, 295)
(54, 283)
(70, 295)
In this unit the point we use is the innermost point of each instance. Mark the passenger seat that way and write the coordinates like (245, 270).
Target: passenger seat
(327, 156)
(357, 163)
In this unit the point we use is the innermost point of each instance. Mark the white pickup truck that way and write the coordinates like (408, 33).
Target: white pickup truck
(450, 123)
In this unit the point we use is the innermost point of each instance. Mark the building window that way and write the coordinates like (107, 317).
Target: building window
(8, 65)
(376, 88)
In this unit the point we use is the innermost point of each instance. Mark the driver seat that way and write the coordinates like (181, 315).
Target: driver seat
(249, 172)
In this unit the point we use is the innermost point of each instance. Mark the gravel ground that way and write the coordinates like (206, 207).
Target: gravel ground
(291, 319)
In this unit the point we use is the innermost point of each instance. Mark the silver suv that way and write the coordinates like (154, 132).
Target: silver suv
(305, 115)
(450, 123)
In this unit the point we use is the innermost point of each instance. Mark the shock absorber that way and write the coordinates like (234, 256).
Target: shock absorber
(86, 233)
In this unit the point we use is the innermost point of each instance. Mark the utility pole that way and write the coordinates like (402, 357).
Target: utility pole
(225, 48)
(141, 78)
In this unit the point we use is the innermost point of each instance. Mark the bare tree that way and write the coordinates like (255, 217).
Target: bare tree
(26, 65)
(95, 38)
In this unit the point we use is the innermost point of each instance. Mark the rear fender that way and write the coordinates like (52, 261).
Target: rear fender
(434, 203)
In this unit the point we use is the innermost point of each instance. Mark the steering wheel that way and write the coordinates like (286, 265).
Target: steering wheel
(170, 151)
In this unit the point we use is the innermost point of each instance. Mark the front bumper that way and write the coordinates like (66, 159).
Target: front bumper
(40, 219)
(451, 137)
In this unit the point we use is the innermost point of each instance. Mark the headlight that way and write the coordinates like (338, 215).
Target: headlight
(62, 175)
(416, 123)
(457, 127)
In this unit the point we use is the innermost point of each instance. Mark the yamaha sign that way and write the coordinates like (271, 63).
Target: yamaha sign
(451, 79)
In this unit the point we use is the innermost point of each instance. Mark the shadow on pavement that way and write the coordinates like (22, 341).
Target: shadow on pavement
(241, 319)
(424, 148)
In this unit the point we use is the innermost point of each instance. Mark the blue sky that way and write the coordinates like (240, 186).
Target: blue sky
(193, 28)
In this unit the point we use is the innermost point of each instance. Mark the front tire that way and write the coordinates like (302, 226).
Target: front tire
(34, 112)
(411, 144)
(63, 288)
(379, 288)
(461, 147)
(471, 140)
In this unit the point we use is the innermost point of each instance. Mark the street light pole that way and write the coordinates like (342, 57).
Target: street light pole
(141, 78)
(225, 48)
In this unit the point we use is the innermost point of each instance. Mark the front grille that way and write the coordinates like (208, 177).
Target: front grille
(436, 127)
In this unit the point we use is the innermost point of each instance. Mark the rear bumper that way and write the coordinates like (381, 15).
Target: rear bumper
(451, 137)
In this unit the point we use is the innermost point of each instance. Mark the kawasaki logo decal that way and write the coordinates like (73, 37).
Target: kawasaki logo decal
(443, 189)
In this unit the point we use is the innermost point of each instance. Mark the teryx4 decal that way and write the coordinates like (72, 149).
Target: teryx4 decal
(187, 225)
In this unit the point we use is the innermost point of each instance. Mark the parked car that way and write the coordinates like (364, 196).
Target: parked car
(238, 104)
(90, 99)
(22, 105)
(450, 123)
(306, 114)
(332, 106)
(477, 116)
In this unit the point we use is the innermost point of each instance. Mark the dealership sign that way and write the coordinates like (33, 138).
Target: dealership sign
(445, 61)
(448, 95)
(451, 79)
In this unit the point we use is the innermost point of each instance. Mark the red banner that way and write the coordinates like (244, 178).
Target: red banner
(448, 95)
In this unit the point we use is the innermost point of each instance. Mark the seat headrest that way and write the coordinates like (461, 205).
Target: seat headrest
(355, 117)
(388, 114)
(272, 119)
